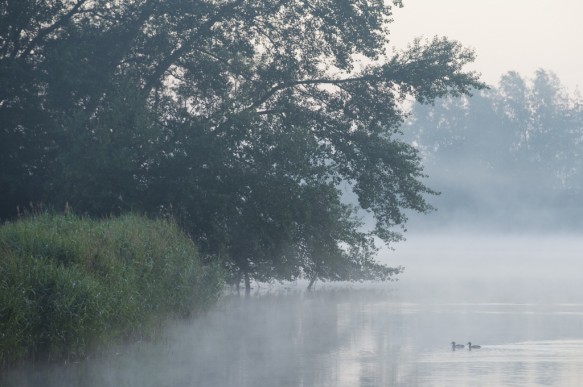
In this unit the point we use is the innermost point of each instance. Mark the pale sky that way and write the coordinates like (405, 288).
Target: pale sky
(519, 35)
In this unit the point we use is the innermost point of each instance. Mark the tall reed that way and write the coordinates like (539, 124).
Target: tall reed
(70, 285)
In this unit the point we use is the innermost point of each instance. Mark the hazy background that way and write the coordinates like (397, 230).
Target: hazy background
(508, 222)
(507, 160)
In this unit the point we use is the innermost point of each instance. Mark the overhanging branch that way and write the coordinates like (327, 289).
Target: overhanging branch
(319, 81)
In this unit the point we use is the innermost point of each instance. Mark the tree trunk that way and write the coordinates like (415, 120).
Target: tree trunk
(238, 283)
(312, 280)
(247, 284)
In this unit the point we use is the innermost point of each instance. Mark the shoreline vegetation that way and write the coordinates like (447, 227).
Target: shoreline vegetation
(69, 285)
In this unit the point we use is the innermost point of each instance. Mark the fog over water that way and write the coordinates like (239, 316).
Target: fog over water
(486, 267)
(518, 296)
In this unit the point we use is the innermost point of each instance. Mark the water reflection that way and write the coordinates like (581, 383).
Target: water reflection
(343, 338)
(528, 363)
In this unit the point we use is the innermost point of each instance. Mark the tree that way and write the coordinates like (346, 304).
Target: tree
(246, 117)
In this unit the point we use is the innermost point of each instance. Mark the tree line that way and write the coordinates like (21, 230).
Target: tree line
(239, 118)
(511, 154)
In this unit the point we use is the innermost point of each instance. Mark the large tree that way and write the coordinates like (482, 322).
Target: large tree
(242, 116)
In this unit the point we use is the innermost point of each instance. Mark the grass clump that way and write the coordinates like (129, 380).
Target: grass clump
(69, 285)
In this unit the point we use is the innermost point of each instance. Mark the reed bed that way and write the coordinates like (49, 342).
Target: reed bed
(70, 285)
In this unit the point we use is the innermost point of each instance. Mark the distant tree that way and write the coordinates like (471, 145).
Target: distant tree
(241, 117)
(508, 151)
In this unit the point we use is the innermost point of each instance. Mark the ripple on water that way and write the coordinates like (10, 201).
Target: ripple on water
(545, 362)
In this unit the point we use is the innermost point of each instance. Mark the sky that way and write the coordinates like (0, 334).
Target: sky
(518, 35)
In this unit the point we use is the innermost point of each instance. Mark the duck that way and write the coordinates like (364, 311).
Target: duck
(455, 346)
(473, 346)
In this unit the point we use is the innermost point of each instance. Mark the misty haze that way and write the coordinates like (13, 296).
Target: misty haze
(259, 193)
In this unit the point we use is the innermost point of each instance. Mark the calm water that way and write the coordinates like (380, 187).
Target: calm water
(519, 299)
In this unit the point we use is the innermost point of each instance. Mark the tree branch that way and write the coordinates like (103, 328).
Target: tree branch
(176, 54)
(320, 81)
(46, 31)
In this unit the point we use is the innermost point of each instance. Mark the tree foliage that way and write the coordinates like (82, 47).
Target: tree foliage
(240, 117)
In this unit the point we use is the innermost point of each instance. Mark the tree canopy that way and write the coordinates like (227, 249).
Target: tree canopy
(241, 118)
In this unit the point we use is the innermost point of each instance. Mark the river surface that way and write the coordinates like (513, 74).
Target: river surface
(519, 298)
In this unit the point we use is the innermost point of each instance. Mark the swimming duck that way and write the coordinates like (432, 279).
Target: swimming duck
(455, 346)
(470, 346)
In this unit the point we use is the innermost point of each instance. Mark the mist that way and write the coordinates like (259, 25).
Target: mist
(505, 160)
(259, 131)
(470, 266)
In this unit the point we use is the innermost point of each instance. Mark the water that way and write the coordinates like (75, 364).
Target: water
(518, 298)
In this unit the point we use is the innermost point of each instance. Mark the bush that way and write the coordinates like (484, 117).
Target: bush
(69, 285)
